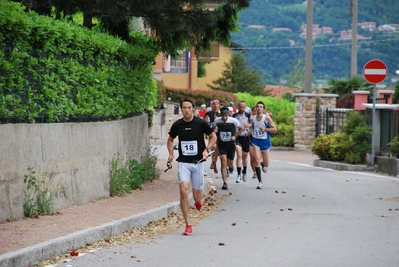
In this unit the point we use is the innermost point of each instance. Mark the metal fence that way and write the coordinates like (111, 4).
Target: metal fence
(331, 120)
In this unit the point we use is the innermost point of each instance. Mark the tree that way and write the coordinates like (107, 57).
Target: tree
(295, 78)
(346, 86)
(237, 77)
(176, 24)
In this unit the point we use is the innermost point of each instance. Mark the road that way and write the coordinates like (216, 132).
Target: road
(304, 216)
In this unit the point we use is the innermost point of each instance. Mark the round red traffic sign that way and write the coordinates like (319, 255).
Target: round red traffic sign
(375, 71)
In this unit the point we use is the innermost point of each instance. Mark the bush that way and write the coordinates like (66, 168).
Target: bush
(393, 147)
(350, 145)
(131, 175)
(321, 146)
(56, 71)
(340, 146)
(354, 119)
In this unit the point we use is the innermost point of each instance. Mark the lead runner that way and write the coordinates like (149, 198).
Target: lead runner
(192, 148)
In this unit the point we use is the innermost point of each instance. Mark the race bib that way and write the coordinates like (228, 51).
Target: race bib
(259, 134)
(225, 136)
(189, 148)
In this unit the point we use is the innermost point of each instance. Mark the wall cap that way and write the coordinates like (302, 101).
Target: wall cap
(381, 106)
(360, 92)
(315, 95)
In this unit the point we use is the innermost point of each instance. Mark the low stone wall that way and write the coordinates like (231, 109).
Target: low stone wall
(387, 165)
(78, 156)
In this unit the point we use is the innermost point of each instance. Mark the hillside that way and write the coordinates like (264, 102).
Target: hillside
(273, 33)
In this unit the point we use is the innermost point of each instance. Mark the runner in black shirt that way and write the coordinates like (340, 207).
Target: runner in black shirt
(192, 148)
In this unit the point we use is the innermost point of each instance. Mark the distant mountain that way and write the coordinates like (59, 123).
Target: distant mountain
(273, 33)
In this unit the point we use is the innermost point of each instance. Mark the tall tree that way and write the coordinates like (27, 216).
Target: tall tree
(238, 76)
(177, 24)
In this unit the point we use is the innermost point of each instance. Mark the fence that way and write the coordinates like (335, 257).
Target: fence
(331, 120)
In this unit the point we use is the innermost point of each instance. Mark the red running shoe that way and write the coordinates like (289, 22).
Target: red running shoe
(188, 230)
(215, 170)
(198, 205)
(212, 165)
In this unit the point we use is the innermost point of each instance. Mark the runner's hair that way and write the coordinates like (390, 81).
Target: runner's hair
(187, 99)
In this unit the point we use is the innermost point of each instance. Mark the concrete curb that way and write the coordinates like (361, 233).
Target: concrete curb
(45, 250)
(341, 166)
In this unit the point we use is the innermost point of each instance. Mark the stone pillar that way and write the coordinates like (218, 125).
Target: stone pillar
(305, 117)
(360, 97)
(388, 93)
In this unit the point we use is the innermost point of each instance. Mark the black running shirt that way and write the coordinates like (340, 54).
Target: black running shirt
(191, 138)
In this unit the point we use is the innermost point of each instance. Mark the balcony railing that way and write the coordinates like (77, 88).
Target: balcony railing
(211, 55)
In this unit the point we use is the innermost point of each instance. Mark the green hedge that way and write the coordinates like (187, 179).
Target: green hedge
(57, 71)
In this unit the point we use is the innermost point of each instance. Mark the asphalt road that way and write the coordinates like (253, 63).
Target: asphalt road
(304, 216)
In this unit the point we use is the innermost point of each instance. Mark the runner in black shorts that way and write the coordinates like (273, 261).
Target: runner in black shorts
(243, 141)
(228, 130)
(190, 131)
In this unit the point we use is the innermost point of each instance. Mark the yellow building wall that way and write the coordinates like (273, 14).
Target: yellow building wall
(215, 68)
(178, 80)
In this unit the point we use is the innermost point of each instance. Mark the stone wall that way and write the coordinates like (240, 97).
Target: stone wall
(163, 120)
(305, 117)
(78, 155)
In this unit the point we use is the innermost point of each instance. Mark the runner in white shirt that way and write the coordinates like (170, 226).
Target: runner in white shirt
(262, 126)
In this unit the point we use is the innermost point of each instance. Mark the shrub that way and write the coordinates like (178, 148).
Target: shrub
(340, 146)
(284, 135)
(354, 119)
(393, 147)
(38, 194)
(350, 145)
(132, 174)
(321, 146)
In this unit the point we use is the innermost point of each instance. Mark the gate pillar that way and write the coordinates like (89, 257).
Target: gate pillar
(305, 117)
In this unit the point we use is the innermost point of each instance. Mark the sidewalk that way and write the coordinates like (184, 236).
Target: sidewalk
(27, 241)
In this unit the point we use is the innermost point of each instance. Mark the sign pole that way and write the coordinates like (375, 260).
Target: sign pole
(375, 71)
(374, 117)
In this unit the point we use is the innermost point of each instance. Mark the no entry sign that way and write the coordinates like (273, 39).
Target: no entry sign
(375, 71)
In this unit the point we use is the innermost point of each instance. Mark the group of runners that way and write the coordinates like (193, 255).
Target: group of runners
(242, 133)
(246, 132)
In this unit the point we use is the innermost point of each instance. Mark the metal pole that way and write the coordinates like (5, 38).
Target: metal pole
(353, 11)
(373, 128)
(308, 51)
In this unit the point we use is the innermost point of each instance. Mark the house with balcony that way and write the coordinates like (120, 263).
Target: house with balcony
(182, 72)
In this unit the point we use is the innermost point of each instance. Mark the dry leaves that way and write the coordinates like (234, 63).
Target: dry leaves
(147, 233)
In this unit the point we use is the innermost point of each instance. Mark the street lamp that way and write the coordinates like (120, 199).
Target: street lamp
(397, 72)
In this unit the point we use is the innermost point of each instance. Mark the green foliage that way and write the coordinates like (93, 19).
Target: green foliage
(55, 71)
(340, 146)
(237, 77)
(202, 69)
(321, 146)
(38, 193)
(284, 135)
(361, 139)
(130, 176)
(346, 86)
(350, 145)
(276, 105)
(177, 24)
(395, 97)
(201, 96)
(353, 120)
(273, 53)
(393, 147)
(149, 163)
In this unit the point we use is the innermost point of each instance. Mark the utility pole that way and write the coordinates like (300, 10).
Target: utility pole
(353, 12)
(308, 51)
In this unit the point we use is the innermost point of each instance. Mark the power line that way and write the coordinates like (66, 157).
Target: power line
(383, 13)
(302, 47)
